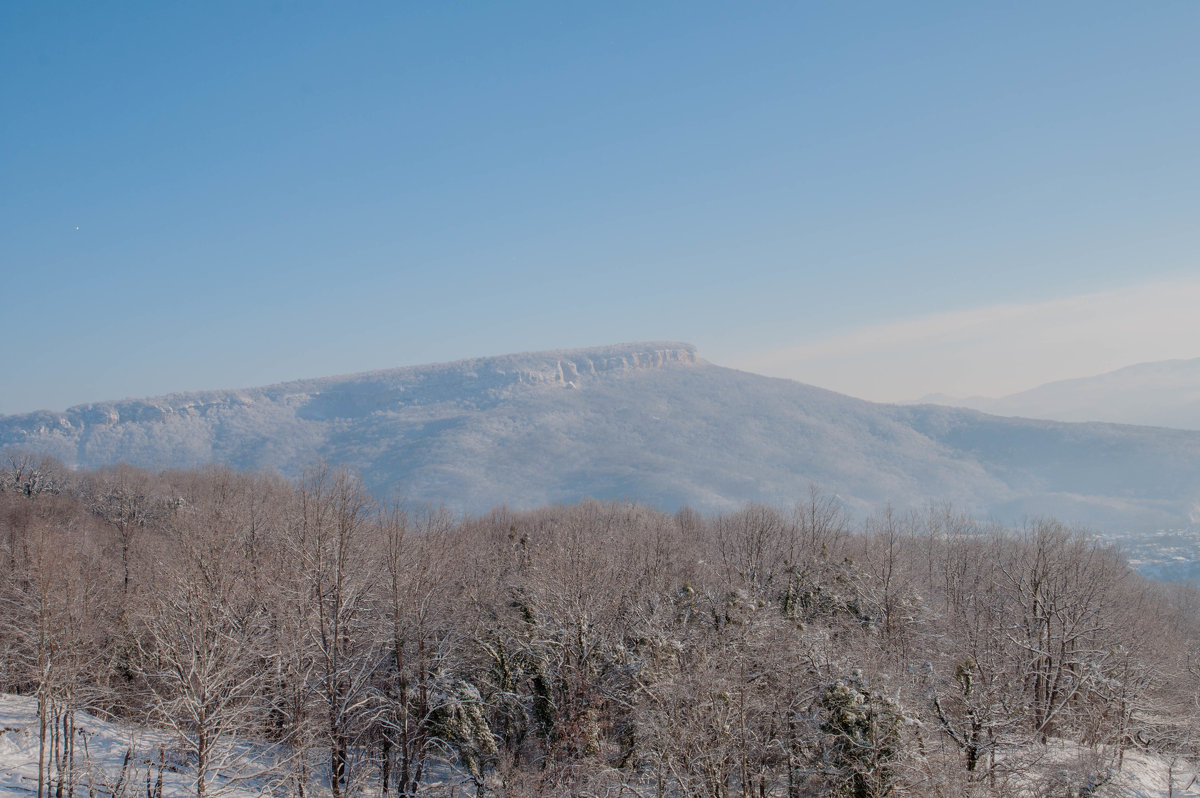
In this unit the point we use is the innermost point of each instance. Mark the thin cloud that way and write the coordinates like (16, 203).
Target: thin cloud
(1000, 349)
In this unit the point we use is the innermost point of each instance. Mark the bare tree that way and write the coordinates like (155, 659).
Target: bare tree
(199, 644)
(335, 574)
(1062, 588)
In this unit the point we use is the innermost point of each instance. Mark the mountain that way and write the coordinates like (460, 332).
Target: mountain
(650, 422)
(1162, 394)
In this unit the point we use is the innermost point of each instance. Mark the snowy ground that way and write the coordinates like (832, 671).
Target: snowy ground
(1145, 776)
(104, 769)
(1056, 769)
(123, 761)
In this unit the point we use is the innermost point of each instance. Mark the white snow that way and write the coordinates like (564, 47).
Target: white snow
(1142, 775)
(1060, 763)
(101, 766)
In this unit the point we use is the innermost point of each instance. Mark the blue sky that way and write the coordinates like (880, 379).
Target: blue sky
(216, 194)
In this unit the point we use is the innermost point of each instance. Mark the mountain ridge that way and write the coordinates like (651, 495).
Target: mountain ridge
(586, 360)
(1163, 393)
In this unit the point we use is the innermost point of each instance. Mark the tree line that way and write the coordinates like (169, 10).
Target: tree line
(304, 639)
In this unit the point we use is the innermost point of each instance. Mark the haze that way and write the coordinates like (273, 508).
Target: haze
(888, 200)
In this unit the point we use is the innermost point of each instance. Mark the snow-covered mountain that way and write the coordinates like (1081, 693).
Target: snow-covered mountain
(1162, 394)
(650, 422)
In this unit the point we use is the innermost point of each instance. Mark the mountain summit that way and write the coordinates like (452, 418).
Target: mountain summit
(651, 422)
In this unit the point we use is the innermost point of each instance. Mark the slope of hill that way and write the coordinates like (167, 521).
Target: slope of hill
(649, 422)
(1162, 394)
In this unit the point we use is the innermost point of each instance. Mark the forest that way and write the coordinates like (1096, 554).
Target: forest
(303, 638)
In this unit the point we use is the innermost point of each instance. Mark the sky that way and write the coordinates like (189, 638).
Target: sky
(887, 199)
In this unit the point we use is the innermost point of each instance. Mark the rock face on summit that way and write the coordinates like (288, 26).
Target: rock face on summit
(647, 422)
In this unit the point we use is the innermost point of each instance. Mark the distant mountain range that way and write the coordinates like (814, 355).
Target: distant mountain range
(650, 422)
(1161, 394)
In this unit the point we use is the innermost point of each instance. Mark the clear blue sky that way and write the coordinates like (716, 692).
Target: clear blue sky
(204, 195)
